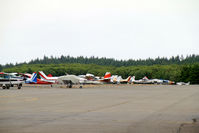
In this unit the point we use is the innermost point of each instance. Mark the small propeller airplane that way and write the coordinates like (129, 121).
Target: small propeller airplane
(106, 78)
(35, 80)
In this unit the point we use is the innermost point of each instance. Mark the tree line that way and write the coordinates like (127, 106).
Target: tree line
(190, 59)
(175, 68)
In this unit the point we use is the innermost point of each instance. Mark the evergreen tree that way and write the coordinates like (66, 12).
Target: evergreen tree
(1, 67)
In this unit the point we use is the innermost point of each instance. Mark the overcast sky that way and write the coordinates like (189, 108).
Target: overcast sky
(120, 29)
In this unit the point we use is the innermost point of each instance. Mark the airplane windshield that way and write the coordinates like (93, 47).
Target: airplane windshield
(4, 76)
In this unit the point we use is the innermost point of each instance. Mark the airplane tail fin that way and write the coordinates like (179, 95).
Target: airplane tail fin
(34, 77)
(188, 83)
(43, 75)
(50, 75)
(107, 75)
(133, 78)
(145, 78)
(129, 78)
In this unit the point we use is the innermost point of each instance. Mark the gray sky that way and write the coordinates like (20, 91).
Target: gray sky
(120, 29)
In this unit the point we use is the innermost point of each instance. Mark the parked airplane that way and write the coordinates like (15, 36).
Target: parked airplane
(89, 76)
(35, 80)
(125, 81)
(89, 79)
(144, 80)
(25, 75)
(106, 78)
(70, 80)
(158, 81)
(115, 79)
(183, 83)
(168, 82)
(46, 78)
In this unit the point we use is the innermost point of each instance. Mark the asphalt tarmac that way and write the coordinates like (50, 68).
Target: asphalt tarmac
(102, 109)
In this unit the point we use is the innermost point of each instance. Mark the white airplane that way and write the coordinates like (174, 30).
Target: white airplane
(144, 80)
(70, 80)
(125, 81)
(183, 83)
(115, 79)
(157, 81)
(89, 76)
(89, 79)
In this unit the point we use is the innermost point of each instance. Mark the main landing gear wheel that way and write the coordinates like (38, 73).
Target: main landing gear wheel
(8, 87)
(69, 85)
(19, 86)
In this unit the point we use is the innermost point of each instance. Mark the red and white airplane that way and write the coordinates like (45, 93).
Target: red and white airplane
(47, 78)
(106, 78)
